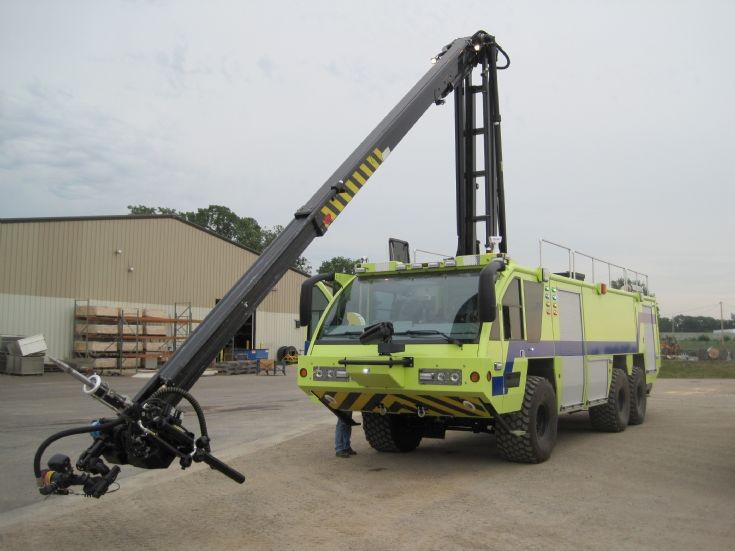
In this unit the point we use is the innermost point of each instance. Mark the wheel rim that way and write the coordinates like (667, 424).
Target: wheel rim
(542, 420)
(640, 395)
(621, 400)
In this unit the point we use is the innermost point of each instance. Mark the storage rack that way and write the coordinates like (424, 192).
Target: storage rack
(118, 340)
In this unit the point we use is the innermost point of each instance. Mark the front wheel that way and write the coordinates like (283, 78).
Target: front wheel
(532, 435)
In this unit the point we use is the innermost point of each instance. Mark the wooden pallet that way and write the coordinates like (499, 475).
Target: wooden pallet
(240, 367)
(107, 329)
(105, 347)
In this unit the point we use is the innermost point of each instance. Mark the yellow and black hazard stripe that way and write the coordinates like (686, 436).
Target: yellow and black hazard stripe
(452, 406)
(352, 184)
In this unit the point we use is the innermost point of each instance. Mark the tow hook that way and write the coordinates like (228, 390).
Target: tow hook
(382, 410)
(421, 411)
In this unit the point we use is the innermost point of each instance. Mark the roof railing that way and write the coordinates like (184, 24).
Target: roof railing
(633, 280)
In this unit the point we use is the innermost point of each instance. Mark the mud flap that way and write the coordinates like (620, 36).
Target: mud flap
(341, 415)
(500, 421)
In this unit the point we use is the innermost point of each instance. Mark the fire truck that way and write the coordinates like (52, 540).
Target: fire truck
(475, 342)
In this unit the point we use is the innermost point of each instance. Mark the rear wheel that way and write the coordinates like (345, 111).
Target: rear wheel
(638, 393)
(613, 415)
(536, 421)
(392, 433)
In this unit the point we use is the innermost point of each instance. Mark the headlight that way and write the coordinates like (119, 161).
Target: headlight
(440, 376)
(331, 374)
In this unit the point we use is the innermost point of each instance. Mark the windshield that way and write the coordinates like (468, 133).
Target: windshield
(422, 308)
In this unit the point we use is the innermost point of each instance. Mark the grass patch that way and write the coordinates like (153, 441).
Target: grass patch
(676, 369)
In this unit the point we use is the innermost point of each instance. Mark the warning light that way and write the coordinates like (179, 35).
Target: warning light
(474, 376)
(489, 376)
(603, 288)
(303, 372)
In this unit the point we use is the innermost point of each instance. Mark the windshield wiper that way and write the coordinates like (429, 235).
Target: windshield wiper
(420, 332)
(346, 333)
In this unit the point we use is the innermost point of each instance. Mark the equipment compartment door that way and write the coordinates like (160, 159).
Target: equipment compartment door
(650, 338)
(570, 347)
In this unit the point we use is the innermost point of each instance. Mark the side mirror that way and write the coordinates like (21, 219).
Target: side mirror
(486, 290)
(305, 298)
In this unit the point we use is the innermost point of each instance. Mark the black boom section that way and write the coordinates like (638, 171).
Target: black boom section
(451, 68)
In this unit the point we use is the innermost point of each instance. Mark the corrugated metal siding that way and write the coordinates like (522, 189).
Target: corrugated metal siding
(54, 318)
(28, 315)
(45, 265)
(275, 330)
(172, 262)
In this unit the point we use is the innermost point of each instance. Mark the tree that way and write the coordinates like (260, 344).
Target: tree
(269, 234)
(664, 325)
(160, 211)
(620, 283)
(221, 220)
(698, 324)
(338, 264)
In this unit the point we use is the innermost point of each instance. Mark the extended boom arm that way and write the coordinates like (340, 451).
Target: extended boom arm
(451, 70)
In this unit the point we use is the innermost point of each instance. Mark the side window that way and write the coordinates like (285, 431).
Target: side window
(513, 312)
(534, 294)
(319, 303)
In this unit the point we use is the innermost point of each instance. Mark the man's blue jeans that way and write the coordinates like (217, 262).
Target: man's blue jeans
(342, 435)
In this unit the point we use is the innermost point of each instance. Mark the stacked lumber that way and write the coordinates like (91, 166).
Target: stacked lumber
(156, 332)
(108, 337)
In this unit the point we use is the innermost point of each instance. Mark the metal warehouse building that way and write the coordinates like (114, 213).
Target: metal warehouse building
(136, 263)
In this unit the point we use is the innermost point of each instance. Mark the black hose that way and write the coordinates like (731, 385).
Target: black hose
(189, 398)
(505, 55)
(69, 432)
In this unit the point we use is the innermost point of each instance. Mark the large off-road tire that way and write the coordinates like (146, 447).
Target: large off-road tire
(613, 415)
(537, 418)
(391, 433)
(638, 394)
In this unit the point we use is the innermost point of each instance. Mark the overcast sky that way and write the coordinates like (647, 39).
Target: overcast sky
(617, 122)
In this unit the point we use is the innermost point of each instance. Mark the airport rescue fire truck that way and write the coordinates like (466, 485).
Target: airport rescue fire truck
(474, 342)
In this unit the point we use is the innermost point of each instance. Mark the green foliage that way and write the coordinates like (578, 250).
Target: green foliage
(142, 209)
(698, 324)
(268, 235)
(703, 338)
(675, 369)
(221, 220)
(620, 283)
(339, 264)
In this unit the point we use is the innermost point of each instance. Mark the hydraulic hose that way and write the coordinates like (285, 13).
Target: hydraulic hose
(68, 432)
(189, 398)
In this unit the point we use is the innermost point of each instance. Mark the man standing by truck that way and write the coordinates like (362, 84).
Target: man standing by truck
(342, 434)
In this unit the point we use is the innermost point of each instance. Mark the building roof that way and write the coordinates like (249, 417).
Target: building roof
(135, 217)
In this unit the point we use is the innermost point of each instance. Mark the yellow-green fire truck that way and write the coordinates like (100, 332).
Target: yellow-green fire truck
(479, 343)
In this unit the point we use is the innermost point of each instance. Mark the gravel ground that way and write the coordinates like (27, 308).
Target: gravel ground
(667, 484)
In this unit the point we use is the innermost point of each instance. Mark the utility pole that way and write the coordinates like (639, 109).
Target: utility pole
(722, 328)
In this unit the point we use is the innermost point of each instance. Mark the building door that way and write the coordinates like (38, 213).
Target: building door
(243, 339)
